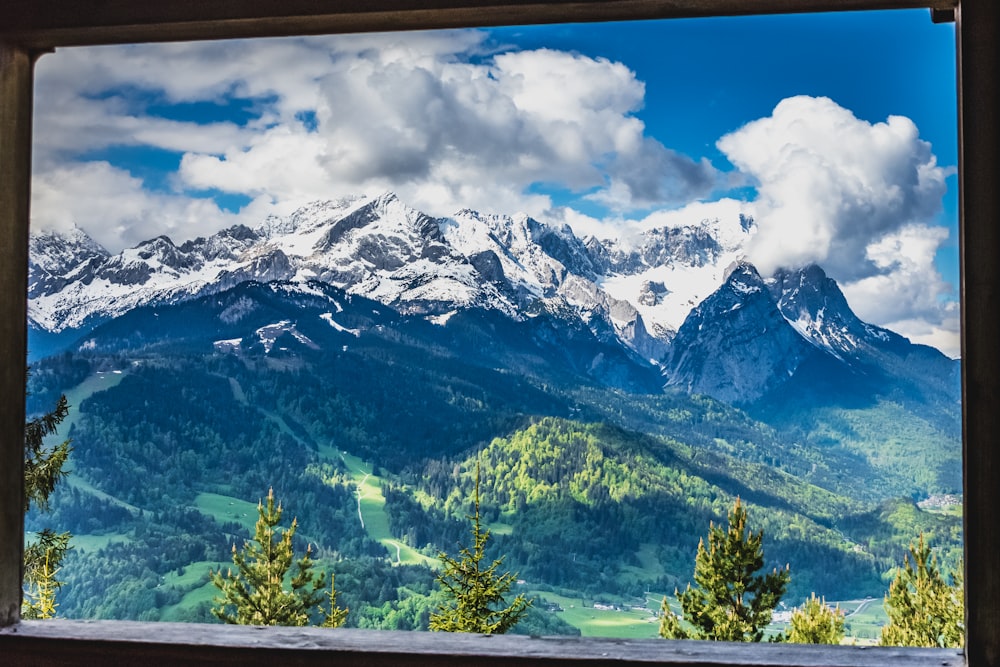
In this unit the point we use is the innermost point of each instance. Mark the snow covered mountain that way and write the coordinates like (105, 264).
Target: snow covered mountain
(384, 250)
(753, 339)
(677, 298)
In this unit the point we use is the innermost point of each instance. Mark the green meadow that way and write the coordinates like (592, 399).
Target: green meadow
(371, 509)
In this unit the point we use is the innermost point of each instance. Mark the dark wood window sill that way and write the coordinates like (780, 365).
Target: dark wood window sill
(92, 643)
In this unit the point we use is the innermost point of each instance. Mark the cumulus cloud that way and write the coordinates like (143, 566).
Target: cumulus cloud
(438, 117)
(448, 133)
(908, 295)
(858, 199)
(830, 184)
(114, 207)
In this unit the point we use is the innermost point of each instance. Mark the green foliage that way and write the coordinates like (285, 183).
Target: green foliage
(42, 559)
(816, 623)
(924, 609)
(43, 468)
(258, 589)
(731, 602)
(889, 529)
(630, 489)
(613, 506)
(474, 594)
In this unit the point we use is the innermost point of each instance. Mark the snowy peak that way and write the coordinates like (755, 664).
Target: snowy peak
(735, 346)
(57, 252)
(815, 306)
(677, 299)
(56, 258)
(308, 218)
(794, 335)
(385, 215)
(636, 291)
(227, 244)
(534, 259)
(691, 246)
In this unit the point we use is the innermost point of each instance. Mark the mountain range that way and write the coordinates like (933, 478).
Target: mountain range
(679, 300)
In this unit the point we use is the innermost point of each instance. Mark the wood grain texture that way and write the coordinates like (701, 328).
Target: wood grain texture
(53, 643)
(15, 195)
(46, 24)
(979, 212)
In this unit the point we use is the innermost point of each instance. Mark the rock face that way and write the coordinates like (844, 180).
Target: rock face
(59, 259)
(795, 332)
(736, 345)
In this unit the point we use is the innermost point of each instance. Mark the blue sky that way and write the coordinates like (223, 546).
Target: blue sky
(837, 132)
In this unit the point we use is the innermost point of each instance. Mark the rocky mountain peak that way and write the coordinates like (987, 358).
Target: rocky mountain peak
(61, 251)
(814, 305)
(670, 295)
(735, 346)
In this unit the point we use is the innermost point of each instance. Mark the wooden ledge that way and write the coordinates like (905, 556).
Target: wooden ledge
(42, 25)
(63, 642)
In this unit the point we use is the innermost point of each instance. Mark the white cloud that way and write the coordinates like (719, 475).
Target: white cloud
(830, 184)
(909, 296)
(858, 199)
(114, 207)
(434, 116)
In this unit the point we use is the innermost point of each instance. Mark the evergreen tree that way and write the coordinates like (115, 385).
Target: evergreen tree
(816, 623)
(731, 602)
(257, 590)
(43, 468)
(475, 594)
(923, 609)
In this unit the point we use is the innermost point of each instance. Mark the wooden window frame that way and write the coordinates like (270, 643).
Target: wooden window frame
(29, 28)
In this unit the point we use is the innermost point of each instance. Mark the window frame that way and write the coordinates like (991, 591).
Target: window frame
(32, 27)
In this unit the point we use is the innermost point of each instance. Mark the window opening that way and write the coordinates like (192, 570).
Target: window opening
(504, 242)
(310, 123)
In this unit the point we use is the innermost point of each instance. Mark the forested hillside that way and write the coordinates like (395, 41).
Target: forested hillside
(589, 490)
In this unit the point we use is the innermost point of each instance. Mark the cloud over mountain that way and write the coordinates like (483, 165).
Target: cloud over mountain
(856, 197)
(188, 139)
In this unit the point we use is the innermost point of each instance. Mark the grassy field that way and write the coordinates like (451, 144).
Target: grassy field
(500, 528)
(864, 619)
(91, 543)
(226, 508)
(93, 384)
(649, 566)
(371, 509)
(622, 623)
(193, 580)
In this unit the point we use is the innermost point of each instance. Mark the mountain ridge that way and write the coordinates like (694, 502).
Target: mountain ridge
(681, 299)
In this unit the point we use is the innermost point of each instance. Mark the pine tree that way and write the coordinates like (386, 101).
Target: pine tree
(923, 609)
(816, 623)
(257, 590)
(731, 602)
(41, 586)
(43, 468)
(475, 594)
